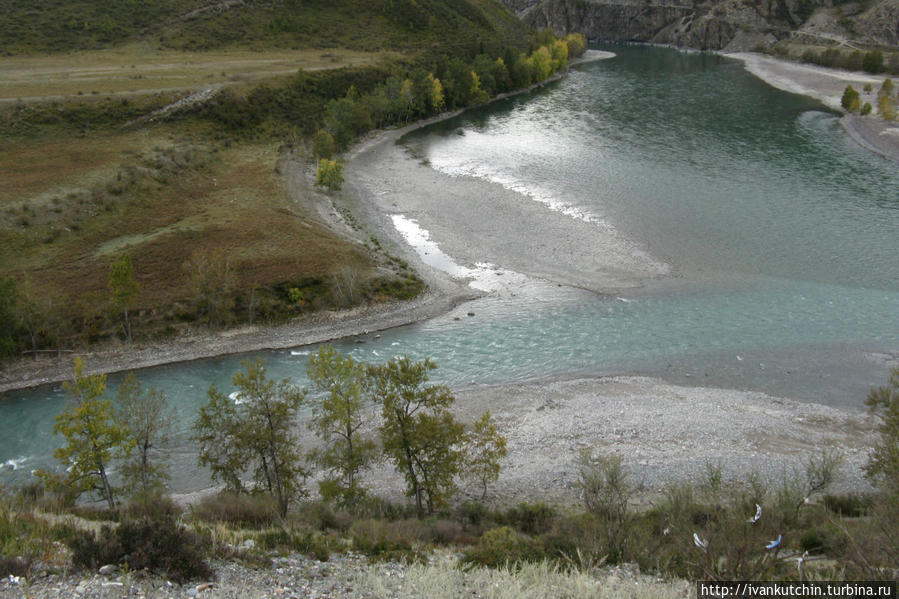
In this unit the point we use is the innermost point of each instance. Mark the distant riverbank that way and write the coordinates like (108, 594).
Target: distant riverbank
(444, 293)
(827, 85)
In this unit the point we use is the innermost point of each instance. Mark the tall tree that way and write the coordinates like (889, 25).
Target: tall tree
(149, 419)
(254, 431)
(418, 432)
(337, 419)
(93, 438)
(484, 447)
(124, 289)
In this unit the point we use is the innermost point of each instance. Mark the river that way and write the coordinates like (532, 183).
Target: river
(782, 235)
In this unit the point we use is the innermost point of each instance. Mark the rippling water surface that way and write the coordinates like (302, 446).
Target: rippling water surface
(783, 236)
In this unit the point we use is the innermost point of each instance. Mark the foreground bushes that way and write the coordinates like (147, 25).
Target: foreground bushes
(162, 547)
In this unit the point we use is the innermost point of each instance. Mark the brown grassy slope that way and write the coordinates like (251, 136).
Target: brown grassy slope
(69, 210)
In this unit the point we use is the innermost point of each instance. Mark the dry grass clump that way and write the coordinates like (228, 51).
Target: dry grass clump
(255, 511)
(541, 580)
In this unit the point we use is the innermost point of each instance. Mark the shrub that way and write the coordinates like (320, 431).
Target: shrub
(329, 174)
(474, 513)
(873, 62)
(577, 44)
(13, 566)
(849, 505)
(243, 510)
(501, 547)
(156, 507)
(606, 492)
(323, 145)
(448, 531)
(574, 541)
(320, 515)
(866, 109)
(851, 99)
(883, 462)
(871, 545)
(387, 541)
(162, 547)
(312, 545)
(307, 542)
(531, 518)
(90, 551)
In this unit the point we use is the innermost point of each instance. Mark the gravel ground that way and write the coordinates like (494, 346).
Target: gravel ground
(663, 432)
(342, 577)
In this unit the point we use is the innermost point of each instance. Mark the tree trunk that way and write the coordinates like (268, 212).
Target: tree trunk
(127, 325)
(107, 488)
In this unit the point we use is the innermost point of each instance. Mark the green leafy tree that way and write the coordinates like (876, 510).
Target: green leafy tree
(149, 420)
(346, 118)
(418, 432)
(337, 419)
(577, 44)
(124, 289)
(330, 174)
(484, 67)
(542, 63)
(559, 52)
(886, 108)
(883, 463)
(254, 431)
(93, 438)
(217, 430)
(501, 76)
(851, 100)
(323, 145)
(458, 83)
(873, 62)
(484, 448)
(436, 99)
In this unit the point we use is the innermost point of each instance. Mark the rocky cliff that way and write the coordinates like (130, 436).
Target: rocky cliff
(732, 25)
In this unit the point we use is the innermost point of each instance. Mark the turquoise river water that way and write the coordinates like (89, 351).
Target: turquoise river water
(783, 236)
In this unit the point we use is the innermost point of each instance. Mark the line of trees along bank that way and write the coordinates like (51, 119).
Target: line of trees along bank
(420, 93)
(450, 83)
(249, 441)
(349, 102)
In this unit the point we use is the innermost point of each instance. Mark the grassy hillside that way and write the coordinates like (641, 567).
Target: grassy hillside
(65, 25)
